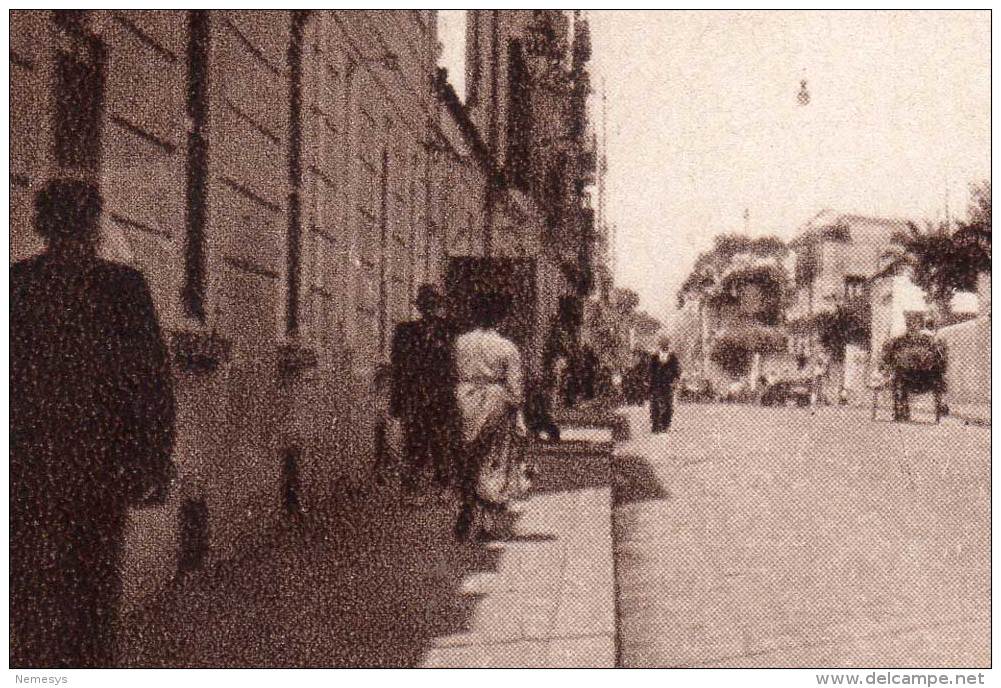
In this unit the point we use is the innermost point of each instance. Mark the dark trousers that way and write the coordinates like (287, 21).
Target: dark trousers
(901, 402)
(661, 410)
(429, 435)
(64, 591)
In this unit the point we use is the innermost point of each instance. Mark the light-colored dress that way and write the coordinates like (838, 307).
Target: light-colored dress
(489, 396)
(489, 380)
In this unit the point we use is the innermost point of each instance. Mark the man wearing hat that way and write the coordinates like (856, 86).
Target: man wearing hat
(422, 393)
(91, 432)
(664, 371)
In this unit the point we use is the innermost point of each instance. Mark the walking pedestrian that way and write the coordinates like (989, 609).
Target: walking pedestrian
(664, 371)
(422, 395)
(91, 432)
(489, 396)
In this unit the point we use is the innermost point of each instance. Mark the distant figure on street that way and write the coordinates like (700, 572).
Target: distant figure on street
(489, 394)
(664, 371)
(422, 395)
(817, 374)
(547, 387)
(571, 376)
(91, 432)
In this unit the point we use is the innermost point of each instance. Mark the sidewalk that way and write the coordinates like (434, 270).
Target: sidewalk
(373, 582)
(974, 414)
(548, 602)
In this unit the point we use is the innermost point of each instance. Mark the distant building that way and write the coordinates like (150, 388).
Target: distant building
(835, 255)
(840, 260)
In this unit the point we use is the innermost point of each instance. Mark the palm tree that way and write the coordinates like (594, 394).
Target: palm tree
(938, 262)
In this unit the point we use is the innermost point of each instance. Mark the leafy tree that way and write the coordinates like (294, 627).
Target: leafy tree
(848, 323)
(734, 349)
(710, 265)
(979, 212)
(732, 355)
(624, 300)
(939, 264)
(608, 324)
(973, 237)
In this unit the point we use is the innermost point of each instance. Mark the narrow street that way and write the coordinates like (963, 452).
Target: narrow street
(751, 536)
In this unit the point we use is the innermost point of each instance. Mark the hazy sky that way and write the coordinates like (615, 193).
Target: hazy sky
(703, 123)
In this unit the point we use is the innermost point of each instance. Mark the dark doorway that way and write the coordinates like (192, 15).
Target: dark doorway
(467, 278)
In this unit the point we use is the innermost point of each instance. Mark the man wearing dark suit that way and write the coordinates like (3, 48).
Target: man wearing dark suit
(664, 371)
(91, 432)
(423, 394)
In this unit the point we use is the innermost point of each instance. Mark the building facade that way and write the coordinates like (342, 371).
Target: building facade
(835, 257)
(840, 260)
(285, 181)
(527, 86)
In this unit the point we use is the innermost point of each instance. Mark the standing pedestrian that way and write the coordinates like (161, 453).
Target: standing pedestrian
(422, 395)
(91, 432)
(664, 371)
(817, 374)
(489, 396)
(538, 412)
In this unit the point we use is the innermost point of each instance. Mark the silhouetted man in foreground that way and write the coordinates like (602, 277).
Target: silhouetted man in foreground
(664, 372)
(423, 391)
(91, 432)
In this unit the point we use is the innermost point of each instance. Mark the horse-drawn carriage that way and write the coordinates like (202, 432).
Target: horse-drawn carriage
(913, 363)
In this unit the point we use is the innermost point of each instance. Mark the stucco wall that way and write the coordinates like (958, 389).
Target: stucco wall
(969, 375)
(382, 208)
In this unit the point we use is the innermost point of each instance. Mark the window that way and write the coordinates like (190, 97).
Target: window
(193, 289)
(855, 288)
(519, 116)
(79, 95)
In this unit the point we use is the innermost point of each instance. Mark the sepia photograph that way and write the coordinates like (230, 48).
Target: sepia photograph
(489, 338)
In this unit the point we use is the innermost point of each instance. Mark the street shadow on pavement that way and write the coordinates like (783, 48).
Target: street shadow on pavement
(566, 471)
(370, 583)
(635, 481)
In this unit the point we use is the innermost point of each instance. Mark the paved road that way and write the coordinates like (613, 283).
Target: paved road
(777, 537)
